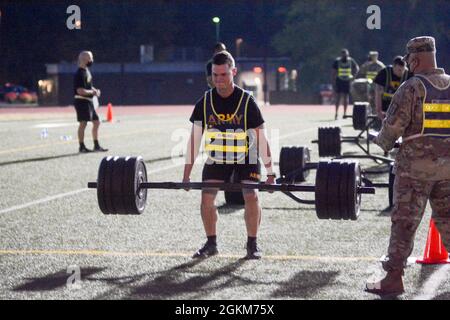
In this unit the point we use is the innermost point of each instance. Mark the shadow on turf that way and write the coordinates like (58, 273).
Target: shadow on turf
(305, 284)
(229, 209)
(174, 282)
(54, 281)
(39, 159)
(179, 280)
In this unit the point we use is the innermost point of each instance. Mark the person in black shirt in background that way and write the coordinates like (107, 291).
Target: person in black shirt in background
(234, 140)
(84, 92)
(344, 70)
(387, 82)
(217, 48)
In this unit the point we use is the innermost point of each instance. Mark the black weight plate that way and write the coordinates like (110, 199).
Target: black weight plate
(128, 184)
(294, 159)
(335, 141)
(284, 161)
(118, 174)
(343, 203)
(354, 198)
(306, 159)
(359, 116)
(132, 202)
(329, 142)
(334, 176)
(141, 193)
(321, 142)
(321, 190)
(391, 185)
(108, 186)
(101, 179)
(236, 197)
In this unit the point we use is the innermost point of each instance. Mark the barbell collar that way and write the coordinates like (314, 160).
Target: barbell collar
(92, 185)
(366, 190)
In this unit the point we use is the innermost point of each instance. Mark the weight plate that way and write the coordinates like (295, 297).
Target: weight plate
(118, 175)
(333, 190)
(235, 197)
(354, 198)
(101, 180)
(343, 189)
(359, 116)
(321, 190)
(108, 186)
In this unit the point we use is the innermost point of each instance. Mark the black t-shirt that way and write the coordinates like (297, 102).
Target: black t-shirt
(82, 79)
(229, 105)
(352, 62)
(380, 79)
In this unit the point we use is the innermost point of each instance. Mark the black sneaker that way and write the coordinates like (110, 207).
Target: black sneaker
(84, 150)
(100, 149)
(253, 251)
(206, 251)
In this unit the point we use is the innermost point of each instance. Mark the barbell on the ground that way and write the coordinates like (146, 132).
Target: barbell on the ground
(330, 142)
(361, 116)
(295, 166)
(122, 187)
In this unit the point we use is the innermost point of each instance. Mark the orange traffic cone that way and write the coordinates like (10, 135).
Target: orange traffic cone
(435, 252)
(109, 113)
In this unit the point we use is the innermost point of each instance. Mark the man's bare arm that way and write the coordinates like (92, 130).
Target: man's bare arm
(192, 149)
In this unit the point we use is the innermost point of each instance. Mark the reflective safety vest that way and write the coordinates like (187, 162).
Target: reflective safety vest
(391, 86)
(226, 138)
(436, 111)
(345, 70)
(371, 74)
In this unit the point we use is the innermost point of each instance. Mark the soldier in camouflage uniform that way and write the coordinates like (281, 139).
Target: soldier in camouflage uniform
(369, 70)
(420, 114)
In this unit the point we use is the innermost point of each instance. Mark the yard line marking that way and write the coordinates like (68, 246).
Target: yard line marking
(47, 199)
(70, 193)
(173, 255)
(75, 141)
(431, 286)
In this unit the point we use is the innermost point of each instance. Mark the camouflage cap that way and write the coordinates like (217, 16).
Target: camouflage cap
(420, 44)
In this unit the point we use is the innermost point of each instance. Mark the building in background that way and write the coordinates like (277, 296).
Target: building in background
(176, 77)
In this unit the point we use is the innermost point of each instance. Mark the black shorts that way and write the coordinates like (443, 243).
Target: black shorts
(85, 110)
(342, 86)
(223, 172)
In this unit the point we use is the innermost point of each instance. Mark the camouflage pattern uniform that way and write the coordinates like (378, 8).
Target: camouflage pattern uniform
(369, 70)
(422, 164)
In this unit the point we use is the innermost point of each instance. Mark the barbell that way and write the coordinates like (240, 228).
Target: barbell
(295, 166)
(122, 187)
(361, 116)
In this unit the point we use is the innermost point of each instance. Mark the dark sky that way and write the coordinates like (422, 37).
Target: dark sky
(33, 33)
